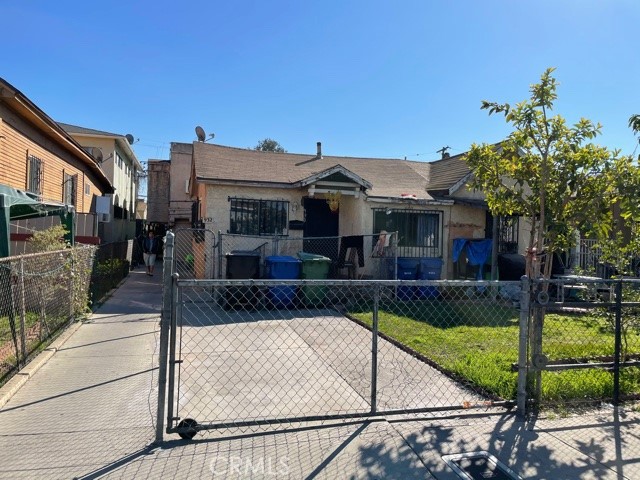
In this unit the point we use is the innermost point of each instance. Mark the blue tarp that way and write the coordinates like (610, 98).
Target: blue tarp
(478, 252)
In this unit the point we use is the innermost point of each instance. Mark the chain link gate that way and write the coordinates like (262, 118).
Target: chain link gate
(583, 342)
(194, 253)
(261, 352)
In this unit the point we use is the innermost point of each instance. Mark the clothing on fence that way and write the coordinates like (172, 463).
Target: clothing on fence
(353, 241)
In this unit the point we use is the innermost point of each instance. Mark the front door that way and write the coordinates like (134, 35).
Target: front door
(320, 221)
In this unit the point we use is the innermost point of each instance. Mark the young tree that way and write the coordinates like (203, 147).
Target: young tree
(269, 145)
(546, 171)
(634, 123)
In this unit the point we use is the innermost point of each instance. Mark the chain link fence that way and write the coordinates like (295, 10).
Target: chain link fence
(584, 342)
(195, 253)
(40, 293)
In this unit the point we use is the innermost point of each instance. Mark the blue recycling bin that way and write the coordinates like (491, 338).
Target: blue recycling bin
(430, 269)
(282, 268)
(407, 270)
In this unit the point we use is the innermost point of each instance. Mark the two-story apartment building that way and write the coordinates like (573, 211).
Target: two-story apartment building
(43, 170)
(122, 168)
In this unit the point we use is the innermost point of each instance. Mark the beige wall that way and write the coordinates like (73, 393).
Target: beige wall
(356, 215)
(467, 193)
(180, 167)
(18, 140)
(121, 176)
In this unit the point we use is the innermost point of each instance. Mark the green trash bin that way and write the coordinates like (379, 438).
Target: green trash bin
(314, 267)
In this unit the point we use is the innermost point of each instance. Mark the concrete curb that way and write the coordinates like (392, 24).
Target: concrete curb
(10, 388)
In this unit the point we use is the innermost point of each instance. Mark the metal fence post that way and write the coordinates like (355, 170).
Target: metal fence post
(72, 274)
(374, 349)
(23, 313)
(165, 320)
(220, 242)
(618, 344)
(523, 347)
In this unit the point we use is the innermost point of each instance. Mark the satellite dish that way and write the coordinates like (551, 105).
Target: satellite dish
(97, 154)
(129, 138)
(200, 133)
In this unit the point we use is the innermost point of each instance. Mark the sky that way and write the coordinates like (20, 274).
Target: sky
(373, 78)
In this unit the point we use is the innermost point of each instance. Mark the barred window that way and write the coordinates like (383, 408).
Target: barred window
(35, 175)
(258, 217)
(508, 234)
(419, 231)
(69, 188)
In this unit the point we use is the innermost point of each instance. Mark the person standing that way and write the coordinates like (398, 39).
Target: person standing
(149, 250)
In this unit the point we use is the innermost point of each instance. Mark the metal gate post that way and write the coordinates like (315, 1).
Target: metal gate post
(523, 347)
(374, 349)
(618, 344)
(220, 242)
(176, 311)
(22, 358)
(165, 320)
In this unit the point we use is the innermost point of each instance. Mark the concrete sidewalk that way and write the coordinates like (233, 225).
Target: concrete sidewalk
(89, 412)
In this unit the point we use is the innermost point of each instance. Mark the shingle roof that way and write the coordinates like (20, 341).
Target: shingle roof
(445, 173)
(389, 177)
(86, 131)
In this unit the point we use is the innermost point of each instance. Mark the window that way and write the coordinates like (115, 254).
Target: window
(87, 189)
(118, 211)
(258, 217)
(69, 188)
(419, 231)
(35, 175)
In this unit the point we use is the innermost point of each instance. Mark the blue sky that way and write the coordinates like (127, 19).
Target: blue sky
(367, 78)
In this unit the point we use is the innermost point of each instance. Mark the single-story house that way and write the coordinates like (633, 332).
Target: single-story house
(249, 192)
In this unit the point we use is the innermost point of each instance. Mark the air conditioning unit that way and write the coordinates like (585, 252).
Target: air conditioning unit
(104, 217)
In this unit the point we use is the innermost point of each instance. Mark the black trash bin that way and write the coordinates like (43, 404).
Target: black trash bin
(243, 265)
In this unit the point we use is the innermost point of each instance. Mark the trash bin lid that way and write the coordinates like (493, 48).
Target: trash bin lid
(312, 257)
(243, 253)
(281, 259)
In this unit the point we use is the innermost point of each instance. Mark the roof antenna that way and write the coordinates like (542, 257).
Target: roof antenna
(443, 152)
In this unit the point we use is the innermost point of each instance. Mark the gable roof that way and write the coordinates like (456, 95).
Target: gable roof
(387, 177)
(447, 173)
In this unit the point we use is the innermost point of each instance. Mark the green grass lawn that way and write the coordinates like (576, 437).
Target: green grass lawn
(478, 340)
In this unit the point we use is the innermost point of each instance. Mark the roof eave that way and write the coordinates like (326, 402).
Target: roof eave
(330, 171)
(36, 115)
